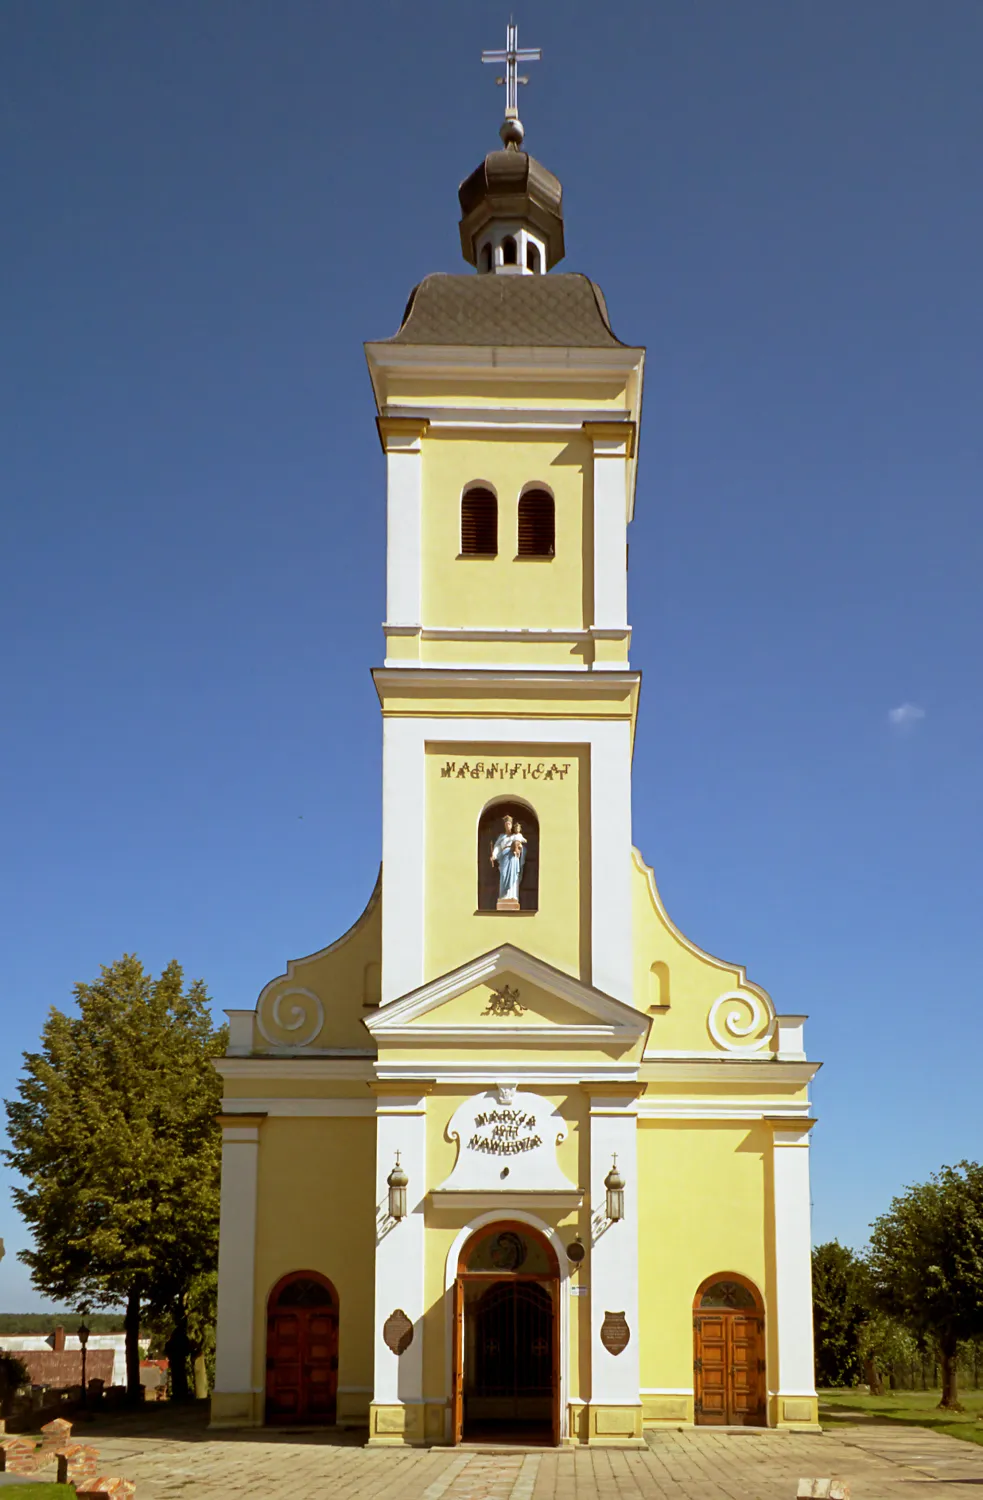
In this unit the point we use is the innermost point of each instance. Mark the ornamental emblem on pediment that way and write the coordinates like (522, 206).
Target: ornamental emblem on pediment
(505, 1002)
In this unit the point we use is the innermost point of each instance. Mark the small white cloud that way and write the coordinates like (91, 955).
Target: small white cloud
(905, 716)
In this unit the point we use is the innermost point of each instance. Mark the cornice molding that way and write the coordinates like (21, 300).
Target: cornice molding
(400, 431)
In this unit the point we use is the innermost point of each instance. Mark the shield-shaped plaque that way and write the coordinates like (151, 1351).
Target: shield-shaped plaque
(397, 1331)
(615, 1332)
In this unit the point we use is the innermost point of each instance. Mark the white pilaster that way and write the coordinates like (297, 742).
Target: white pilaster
(399, 1255)
(792, 1302)
(237, 1254)
(613, 443)
(402, 440)
(613, 1273)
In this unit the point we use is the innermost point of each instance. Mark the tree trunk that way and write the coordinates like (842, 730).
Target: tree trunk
(872, 1377)
(201, 1378)
(950, 1392)
(178, 1348)
(134, 1390)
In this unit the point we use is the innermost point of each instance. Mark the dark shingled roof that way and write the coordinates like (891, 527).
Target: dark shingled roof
(559, 310)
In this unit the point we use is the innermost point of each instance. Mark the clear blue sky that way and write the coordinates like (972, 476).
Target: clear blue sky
(207, 209)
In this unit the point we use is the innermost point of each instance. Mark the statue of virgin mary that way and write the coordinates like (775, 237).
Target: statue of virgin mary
(509, 853)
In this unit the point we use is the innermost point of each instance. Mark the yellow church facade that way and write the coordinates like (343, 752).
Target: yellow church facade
(512, 1159)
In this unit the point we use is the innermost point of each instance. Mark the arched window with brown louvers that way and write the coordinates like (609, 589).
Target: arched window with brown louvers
(479, 523)
(537, 524)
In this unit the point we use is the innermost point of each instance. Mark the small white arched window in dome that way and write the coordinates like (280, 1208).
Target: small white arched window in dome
(486, 257)
(532, 257)
(510, 255)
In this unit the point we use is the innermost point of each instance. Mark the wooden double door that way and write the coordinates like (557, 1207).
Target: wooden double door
(302, 1351)
(729, 1356)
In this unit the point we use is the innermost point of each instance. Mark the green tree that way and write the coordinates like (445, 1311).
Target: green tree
(885, 1344)
(839, 1311)
(115, 1134)
(926, 1263)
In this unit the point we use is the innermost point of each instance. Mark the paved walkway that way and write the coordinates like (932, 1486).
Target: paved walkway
(173, 1456)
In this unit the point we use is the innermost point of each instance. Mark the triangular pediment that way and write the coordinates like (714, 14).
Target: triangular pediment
(507, 993)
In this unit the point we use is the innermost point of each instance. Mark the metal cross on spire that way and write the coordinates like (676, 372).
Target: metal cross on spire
(511, 57)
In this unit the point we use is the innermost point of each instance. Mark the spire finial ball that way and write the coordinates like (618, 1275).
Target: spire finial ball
(511, 132)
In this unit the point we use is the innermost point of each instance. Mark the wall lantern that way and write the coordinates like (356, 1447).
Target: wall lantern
(615, 1186)
(398, 1183)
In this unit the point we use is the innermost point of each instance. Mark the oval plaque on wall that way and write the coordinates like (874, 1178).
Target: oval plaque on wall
(615, 1332)
(397, 1331)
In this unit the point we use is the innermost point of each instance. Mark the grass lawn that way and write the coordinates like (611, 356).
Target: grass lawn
(35, 1491)
(910, 1408)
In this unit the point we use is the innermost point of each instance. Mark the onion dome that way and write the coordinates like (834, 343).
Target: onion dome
(511, 215)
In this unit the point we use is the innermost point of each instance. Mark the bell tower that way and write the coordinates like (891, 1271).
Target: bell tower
(508, 412)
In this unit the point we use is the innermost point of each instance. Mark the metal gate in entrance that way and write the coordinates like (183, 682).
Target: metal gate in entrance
(506, 1338)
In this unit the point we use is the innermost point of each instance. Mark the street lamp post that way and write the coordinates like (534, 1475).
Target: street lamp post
(83, 1338)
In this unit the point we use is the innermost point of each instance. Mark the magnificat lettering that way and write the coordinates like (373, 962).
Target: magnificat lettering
(505, 770)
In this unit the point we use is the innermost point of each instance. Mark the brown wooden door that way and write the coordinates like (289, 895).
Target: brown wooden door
(457, 1363)
(746, 1368)
(728, 1368)
(301, 1365)
(557, 1414)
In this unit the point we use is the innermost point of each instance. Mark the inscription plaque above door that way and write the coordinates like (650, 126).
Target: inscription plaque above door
(506, 1127)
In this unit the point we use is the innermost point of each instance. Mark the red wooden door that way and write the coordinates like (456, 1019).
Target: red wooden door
(302, 1354)
(457, 1363)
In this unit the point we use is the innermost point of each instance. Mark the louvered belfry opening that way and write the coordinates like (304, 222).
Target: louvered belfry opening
(537, 524)
(479, 523)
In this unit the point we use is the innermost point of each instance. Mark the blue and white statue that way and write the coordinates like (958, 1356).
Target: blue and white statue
(508, 852)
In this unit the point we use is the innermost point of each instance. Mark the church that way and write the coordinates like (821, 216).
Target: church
(512, 1159)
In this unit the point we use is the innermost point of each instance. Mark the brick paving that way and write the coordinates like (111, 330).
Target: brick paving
(172, 1455)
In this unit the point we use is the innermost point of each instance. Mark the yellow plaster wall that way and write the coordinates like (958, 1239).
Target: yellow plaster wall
(526, 655)
(316, 1212)
(345, 976)
(300, 1088)
(704, 1207)
(505, 590)
(675, 981)
(559, 931)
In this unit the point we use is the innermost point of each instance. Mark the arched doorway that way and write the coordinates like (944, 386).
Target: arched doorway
(506, 1336)
(729, 1353)
(302, 1350)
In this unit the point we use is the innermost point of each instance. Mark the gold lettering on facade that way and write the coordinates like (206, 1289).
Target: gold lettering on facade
(511, 1133)
(493, 770)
